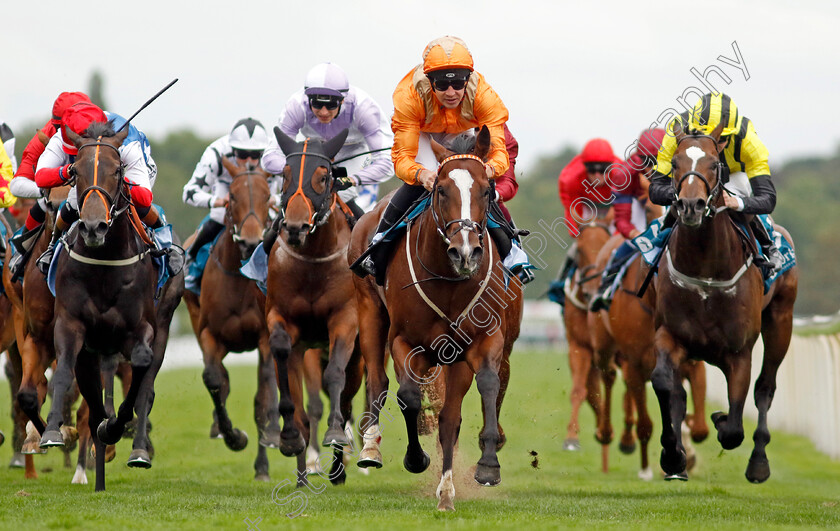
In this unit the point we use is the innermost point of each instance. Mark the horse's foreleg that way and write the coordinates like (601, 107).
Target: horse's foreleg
(644, 427)
(668, 387)
(90, 385)
(143, 451)
(217, 382)
(486, 366)
(409, 366)
(730, 425)
(775, 333)
(315, 406)
(265, 401)
(695, 372)
(580, 365)
(291, 440)
(342, 342)
(373, 332)
(458, 381)
(68, 337)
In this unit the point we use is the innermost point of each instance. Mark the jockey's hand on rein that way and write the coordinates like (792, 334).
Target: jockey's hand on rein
(343, 183)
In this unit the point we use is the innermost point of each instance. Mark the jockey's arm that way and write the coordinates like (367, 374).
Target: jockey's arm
(53, 165)
(405, 124)
(754, 156)
(290, 123)
(377, 136)
(198, 191)
(137, 174)
(490, 111)
(623, 210)
(506, 185)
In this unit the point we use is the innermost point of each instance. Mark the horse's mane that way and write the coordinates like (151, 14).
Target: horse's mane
(97, 129)
(463, 143)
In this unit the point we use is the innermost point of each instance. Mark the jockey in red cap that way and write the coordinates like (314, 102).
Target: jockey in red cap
(583, 181)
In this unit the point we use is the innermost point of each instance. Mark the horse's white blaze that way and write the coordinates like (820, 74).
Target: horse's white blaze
(695, 154)
(464, 181)
(446, 485)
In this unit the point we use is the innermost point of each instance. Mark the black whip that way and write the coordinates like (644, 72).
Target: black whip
(153, 98)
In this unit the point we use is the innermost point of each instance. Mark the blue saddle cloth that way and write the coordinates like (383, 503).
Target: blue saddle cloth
(650, 244)
(195, 270)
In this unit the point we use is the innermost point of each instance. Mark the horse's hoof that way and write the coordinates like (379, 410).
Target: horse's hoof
(110, 452)
(488, 476)
(340, 479)
(70, 435)
(571, 445)
(681, 476)
(237, 441)
(215, 433)
(758, 470)
(80, 477)
(270, 438)
(139, 458)
(718, 418)
(335, 437)
(446, 503)
(292, 445)
(646, 474)
(417, 468)
(369, 457)
(104, 431)
(51, 439)
(262, 477)
(18, 461)
(672, 464)
(627, 449)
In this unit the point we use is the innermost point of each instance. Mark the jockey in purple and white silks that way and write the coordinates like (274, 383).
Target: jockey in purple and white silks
(327, 105)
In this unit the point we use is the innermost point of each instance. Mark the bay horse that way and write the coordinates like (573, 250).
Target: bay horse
(105, 300)
(310, 301)
(711, 305)
(623, 335)
(446, 301)
(229, 316)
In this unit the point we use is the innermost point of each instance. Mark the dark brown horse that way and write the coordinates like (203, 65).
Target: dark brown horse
(230, 314)
(579, 291)
(310, 302)
(711, 305)
(105, 301)
(623, 336)
(446, 301)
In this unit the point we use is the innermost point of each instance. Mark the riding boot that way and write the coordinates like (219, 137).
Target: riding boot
(270, 234)
(556, 290)
(355, 209)
(23, 244)
(772, 260)
(45, 259)
(602, 300)
(206, 234)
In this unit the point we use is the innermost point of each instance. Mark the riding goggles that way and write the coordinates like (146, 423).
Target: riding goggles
(443, 84)
(248, 153)
(596, 167)
(319, 101)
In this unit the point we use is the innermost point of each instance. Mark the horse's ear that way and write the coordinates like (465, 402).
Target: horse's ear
(482, 143)
(73, 137)
(721, 142)
(440, 152)
(334, 145)
(44, 139)
(122, 135)
(286, 143)
(677, 129)
(232, 168)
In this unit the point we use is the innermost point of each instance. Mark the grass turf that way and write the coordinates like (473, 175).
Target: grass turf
(197, 483)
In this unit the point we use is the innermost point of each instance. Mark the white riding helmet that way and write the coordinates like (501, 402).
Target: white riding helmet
(248, 134)
(326, 79)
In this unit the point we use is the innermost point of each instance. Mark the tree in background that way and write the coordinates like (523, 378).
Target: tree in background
(96, 90)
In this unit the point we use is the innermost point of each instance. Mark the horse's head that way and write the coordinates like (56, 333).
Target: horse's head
(460, 200)
(247, 208)
(591, 239)
(100, 187)
(697, 172)
(308, 194)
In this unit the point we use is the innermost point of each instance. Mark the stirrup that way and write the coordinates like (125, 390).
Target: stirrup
(16, 266)
(45, 260)
(365, 267)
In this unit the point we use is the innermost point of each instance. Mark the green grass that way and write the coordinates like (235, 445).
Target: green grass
(196, 483)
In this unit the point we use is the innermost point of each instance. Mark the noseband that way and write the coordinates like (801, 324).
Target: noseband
(711, 192)
(110, 203)
(317, 215)
(462, 224)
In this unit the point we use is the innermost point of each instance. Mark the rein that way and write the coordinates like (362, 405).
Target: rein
(711, 193)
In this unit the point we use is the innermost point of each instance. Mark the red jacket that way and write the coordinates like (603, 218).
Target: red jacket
(506, 185)
(572, 187)
(33, 151)
(624, 182)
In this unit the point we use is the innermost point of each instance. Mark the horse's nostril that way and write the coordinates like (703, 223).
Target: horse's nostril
(453, 254)
(477, 253)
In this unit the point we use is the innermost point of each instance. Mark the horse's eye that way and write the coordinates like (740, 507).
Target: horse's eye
(441, 192)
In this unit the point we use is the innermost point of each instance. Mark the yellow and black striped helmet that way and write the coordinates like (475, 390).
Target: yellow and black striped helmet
(711, 110)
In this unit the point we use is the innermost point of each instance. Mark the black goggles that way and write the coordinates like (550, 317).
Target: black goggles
(330, 102)
(596, 167)
(443, 84)
(247, 153)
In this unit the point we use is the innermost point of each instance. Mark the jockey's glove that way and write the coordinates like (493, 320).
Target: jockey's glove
(343, 183)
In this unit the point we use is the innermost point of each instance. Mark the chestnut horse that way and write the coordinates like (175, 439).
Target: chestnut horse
(711, 305)
(310, 302)
(623, 335)
(446, 301)
(579, 291)
(230, 314)
(32, 312)
(105, 300)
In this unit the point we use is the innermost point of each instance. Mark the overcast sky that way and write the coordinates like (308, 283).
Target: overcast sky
(567, 71)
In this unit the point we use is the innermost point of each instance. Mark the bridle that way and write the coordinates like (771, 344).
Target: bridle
(235, 229)
(111, 204)
(318, 214)
(712, 193)
(479, 228)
